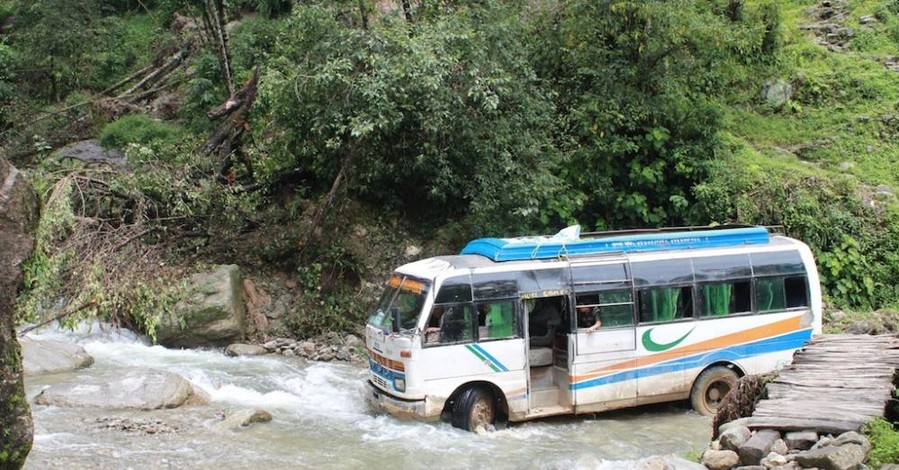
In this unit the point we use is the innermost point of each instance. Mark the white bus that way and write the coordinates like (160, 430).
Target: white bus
(520, 328)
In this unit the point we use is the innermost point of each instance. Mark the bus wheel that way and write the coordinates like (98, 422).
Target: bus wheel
(474, 408)
(710, 388)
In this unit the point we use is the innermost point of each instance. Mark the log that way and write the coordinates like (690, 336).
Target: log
(233, 127)
(155, 75)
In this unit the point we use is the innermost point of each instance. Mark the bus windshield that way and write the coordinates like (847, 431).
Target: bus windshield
(404, 295)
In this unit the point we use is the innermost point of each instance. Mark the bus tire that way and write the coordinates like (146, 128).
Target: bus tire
(474, 408)
(710, 388)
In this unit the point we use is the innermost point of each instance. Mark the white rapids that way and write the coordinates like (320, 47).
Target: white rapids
(320, 421)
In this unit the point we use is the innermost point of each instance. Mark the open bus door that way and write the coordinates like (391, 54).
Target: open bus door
(603, 361)
(547, 352)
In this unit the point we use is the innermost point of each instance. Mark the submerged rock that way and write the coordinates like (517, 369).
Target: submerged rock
(240, 349)
(49, 357)
(138, 389)
(244, 418)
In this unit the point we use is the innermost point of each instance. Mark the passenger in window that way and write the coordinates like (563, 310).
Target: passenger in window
(432, 330)
(589, 316)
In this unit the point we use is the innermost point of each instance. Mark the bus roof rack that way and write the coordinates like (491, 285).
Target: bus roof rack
(570, 242)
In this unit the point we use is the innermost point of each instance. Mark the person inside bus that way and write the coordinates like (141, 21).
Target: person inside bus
(589, 316)
(432, 330)
(543, 322)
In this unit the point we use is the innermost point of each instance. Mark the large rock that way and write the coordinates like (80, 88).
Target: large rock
(845, 457)
(734, 437)
(677, 463)
(757, 447)
(720, 459)
(135, 389)
(212, 315)
(49, 357)
(240, 349)
(18, 221)
(776, 93)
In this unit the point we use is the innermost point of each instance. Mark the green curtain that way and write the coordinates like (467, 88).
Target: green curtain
(499, 320)
(716, 299)
(663, 303)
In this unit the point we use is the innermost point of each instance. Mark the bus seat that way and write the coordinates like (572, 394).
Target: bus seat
(540, 357)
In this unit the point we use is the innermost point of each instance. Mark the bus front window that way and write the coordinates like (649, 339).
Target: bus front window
(405, 296)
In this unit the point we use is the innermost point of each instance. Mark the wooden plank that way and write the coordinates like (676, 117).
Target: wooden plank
(820, 425)
(847, 378)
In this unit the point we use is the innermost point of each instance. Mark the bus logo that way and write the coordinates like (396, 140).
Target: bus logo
(651, 345)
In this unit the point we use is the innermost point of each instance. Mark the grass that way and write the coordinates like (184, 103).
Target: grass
(844, 117)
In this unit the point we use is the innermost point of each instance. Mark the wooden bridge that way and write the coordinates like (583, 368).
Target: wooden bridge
(836, 383)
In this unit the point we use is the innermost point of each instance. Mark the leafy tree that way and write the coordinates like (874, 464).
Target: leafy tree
(437, 118)
(635, 83)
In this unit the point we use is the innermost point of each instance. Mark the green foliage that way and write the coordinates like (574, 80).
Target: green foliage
(67, 45)
(137, 129)
(321, 310)
(635, 81)
(884, 443)
(444, 118)
(846, 270)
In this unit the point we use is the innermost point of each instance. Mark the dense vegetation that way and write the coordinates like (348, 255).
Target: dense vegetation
(433, 122)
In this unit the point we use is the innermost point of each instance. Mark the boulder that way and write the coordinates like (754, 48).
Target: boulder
(776, 93)
(240, 349)
(244, 418)
(845, 457)
(852, 437)
(134, 389)
(720, 459)
(757, 447)
(734, 437)
(212, 315)
(801, 440)
(677, 463)
(49, 357)
(18, 220)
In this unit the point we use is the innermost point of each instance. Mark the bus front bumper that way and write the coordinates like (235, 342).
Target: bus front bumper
(420, 410)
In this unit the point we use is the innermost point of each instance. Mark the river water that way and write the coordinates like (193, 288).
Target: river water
(320, 421)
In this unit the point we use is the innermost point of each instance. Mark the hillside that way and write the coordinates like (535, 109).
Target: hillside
(318, 145)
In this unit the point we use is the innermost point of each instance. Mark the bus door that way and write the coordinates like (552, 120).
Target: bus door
(544, 302)
(603, 360)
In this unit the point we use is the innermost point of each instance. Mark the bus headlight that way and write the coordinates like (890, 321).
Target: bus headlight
(399, 384)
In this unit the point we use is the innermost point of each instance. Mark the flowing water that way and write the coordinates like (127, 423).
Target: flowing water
(320, 421)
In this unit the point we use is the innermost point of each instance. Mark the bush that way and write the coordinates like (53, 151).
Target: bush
(884, 443)
(137, 129)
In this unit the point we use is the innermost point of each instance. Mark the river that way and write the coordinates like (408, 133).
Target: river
(320, 421)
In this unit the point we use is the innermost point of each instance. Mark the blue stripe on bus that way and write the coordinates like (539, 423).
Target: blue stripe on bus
(489, 357)
(793, 340)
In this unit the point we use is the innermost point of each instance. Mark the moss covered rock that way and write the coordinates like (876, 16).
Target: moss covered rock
(18, 220)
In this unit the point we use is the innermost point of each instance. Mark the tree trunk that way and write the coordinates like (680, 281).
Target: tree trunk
(18, 221)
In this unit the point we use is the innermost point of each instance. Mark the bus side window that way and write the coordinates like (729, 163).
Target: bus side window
(724, 298)
(769, 294)
(663, 304)
(616, 308)
(497, 320)
(796, 289)
(779, 293)
(449, 324)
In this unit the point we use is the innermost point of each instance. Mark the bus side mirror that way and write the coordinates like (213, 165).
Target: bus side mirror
(395, 317)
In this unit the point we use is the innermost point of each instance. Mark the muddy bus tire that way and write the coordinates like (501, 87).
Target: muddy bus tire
(474, 408)
(710, 388)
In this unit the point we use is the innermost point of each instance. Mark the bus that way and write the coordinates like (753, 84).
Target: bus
(514, 329)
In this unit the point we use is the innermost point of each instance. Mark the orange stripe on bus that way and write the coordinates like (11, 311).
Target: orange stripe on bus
(746, 336)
